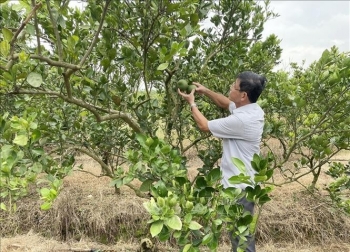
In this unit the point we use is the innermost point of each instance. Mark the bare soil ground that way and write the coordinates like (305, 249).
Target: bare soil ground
(89, 216)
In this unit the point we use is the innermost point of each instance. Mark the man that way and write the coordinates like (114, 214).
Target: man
(240, 132)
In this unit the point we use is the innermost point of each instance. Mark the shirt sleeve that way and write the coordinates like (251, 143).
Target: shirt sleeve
(228, 127)
(231, 107)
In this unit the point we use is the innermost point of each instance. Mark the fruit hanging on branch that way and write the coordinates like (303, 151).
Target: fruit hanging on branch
(184, 86)
(190, 88)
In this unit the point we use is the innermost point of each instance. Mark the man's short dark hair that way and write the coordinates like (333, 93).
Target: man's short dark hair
(251, 83)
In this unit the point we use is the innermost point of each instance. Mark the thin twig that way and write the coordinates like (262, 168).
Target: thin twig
(55, 29)
(24, 23)
(37, 29)
(94, 41)
(127, 118)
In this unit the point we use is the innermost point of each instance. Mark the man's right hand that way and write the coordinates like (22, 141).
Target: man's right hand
(219, 99)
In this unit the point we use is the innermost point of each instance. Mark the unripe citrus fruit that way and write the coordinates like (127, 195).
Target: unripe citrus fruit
(190, 88)
(182, 85)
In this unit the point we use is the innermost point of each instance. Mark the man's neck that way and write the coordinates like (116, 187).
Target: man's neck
(242, 104)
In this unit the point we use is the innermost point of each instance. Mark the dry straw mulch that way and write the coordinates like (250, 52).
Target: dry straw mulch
(89, 214)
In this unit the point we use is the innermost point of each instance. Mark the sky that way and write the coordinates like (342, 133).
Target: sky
(307, 28)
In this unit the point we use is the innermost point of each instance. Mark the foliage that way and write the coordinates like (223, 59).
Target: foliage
(308, 113)
(23, 158)
(99, 81)
(339, 189)
(97, 75)
(194, 213)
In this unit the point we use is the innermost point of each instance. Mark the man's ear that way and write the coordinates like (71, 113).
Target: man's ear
(244, 96)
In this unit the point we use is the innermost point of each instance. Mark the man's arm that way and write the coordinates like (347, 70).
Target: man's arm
(219, 99)
(200, 119)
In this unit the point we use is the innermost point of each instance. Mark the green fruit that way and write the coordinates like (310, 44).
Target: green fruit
(190, 88)
(182, 85)
(149, 141)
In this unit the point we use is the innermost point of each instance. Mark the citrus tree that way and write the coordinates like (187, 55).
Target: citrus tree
(308, 113)
(99, 80)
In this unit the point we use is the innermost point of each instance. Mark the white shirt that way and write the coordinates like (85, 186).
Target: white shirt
(241, 135)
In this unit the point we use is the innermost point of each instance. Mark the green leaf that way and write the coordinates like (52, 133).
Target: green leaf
(161, 189)
(4, 48)
(265, 198)
(45, 192)
(21, 140)
(35, 79)
(194, 19)
(3, 206)
(117, 182)
(200, 182)
(245, 221)
(145, 187)
(242, 229)
(152, 207)
(252, 226)
(207, 238)
(256, 162)
(22, 56)
(239, 164)
(231, 192)
(260, 178)
(30, 29)
(187, 247)
(214, 174)
(180, 180)
(217, 222)
(269, 174)
(106, 63)
(194, 225)
(141, 138)
(240, 179)
(164, 235)
(7, 34)
(37, 152)
(156, 227)
(127, 179)
(174, 222)
(46, 206)
(213, 244)
(163, 66)
(188, 218)
(177, 234)
(36, 134)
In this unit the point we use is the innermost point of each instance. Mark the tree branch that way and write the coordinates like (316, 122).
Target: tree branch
(69, 72)
(104, 167)
(42, 58)
(114, 114)
(93, 43)
(194, 142)
(24, 23)
(125, 117)
(54, 62)
(36, 29)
